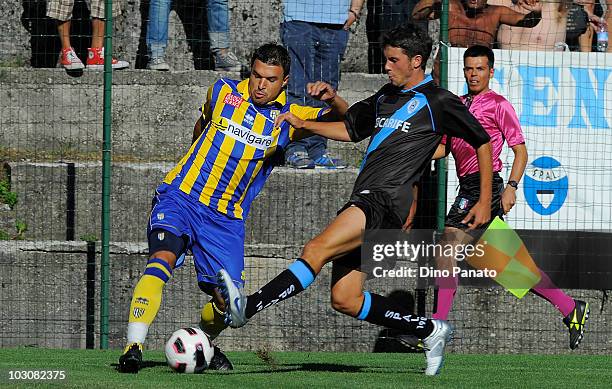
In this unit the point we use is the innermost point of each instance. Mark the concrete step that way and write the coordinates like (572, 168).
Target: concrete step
(62, 200)
(50, 287)
(49, 116)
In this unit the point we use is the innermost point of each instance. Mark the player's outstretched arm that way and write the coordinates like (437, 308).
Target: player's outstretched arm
(518, 168)
(481, 211)
(329, 130)
(324, 92)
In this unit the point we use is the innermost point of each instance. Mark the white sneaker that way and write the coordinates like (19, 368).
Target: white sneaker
(434, 346)
(227, 62)
(235, 300)
(158, 64)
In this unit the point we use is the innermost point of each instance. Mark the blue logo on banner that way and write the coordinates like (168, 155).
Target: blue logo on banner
(545, 186)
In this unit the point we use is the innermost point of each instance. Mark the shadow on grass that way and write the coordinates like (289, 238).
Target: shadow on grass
(319, 367)
(145, 365)
(288, 368)
(331, 367)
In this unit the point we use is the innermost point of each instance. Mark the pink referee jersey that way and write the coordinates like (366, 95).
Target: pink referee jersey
(498, 118)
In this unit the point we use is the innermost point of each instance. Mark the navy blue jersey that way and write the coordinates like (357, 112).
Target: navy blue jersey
(405, 128)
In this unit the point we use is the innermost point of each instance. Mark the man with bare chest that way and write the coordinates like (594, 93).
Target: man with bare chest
(546, 36)
(474, 22)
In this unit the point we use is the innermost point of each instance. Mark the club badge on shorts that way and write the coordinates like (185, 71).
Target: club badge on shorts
(463, 204)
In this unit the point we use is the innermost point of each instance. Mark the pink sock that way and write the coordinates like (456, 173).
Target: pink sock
(549, 291)
(447, 287)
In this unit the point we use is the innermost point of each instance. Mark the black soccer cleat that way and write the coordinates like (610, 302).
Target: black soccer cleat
(131, 360)
(575, 322)
(219, 361)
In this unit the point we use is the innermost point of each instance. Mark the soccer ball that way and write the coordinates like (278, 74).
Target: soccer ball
(189, 350)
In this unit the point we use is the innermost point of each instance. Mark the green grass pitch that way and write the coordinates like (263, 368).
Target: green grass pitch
(96, 368)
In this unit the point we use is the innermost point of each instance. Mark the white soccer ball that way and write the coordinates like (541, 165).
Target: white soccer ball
(189, 350)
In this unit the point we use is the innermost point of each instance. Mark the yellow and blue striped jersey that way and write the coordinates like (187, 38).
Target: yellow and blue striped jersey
(226, 167)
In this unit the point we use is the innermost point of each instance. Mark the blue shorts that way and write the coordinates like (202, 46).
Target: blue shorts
(215, 240)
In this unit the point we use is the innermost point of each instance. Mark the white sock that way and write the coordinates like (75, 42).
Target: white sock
(137, 332)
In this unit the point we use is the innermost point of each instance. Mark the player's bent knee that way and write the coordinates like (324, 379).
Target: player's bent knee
(316, 252)
(166, 256)
(348, 305)
(166, 246)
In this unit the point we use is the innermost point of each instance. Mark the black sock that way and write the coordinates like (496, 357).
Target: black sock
(287, 284)
(385, 312)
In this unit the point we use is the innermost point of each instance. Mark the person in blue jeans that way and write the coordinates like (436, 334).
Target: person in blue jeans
(315, 32)
(218, 32)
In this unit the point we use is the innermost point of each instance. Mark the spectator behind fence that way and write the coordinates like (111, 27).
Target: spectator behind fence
(61, 10)
(595, 20)
(548, 35)
(315, 32)
(218, 33)
(474, 22)
(383, 16)
(578, 32)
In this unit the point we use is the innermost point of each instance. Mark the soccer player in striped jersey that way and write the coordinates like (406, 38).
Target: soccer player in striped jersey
(203, 202)
(499, 119)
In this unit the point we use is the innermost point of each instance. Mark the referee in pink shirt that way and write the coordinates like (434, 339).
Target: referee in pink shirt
(499, 119)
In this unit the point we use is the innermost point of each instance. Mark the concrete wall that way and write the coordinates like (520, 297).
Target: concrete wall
(289, 207)
(44, 288)
(47, 111)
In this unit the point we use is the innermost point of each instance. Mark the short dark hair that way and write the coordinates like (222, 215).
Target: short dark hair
(411, 39)
(480, 51)
(273, 54)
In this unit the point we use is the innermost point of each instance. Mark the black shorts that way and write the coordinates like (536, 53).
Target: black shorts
(378, 209)
(469, 192)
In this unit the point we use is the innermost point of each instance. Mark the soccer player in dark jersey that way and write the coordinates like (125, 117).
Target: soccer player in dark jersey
(405, 121)
(203, 202)
(499, 119)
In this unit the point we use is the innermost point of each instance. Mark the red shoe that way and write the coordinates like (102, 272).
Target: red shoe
(69, 60)
(95, 60)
